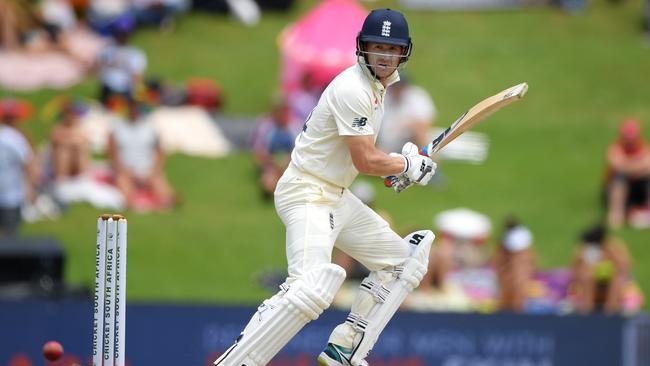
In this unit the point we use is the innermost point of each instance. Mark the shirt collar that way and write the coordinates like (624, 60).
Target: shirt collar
(392, 79)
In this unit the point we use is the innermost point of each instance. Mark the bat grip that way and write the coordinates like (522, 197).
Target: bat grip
(389, 181)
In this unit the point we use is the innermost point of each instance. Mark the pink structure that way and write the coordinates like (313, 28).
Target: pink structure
(322, 43)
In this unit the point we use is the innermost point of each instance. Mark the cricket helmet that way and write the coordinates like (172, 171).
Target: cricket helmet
(385, 26)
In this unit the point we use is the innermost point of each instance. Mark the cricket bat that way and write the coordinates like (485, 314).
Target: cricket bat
(467, 120)
(474, 115)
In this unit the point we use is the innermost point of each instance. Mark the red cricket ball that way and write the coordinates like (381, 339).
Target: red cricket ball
(52, 350)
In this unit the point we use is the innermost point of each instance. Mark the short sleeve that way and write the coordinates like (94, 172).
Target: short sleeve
(351, 110)
(20, 146)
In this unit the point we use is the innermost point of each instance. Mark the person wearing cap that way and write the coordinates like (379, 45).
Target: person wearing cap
(628, 173)
(462, 234)
(312, 198)
(514, 263)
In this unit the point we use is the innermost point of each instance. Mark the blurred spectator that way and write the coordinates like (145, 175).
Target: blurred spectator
(628, 176)
(409, 113)
(70, 163)
(461, 235)
(601, 269)
(57, 16)
(137, 160)
(19, 169)
(70, 146)
(15, 21)
(62, 31)
(304, 98)
(158, 13)
(102, 14)
(120, 66)
(273, 141)
(36, 27)
(514, 263)
(44, 45)
(458, 277)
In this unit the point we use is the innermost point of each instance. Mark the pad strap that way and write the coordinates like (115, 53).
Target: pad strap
(378, 291)
(357, 322)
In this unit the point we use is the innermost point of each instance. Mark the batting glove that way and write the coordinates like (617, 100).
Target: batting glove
(418, 168)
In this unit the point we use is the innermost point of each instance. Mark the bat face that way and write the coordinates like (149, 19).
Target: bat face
(466, 121)
(474, 115)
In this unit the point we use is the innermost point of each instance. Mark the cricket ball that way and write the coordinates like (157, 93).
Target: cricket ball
(52, 350)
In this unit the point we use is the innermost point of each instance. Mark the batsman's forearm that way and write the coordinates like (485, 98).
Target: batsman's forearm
(379, 164)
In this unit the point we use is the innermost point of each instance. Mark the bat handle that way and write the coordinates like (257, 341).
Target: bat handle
(423, 151)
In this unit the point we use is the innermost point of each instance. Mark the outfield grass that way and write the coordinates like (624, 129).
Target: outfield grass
(545, 165)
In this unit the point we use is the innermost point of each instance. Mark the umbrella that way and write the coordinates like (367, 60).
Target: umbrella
(322, 43)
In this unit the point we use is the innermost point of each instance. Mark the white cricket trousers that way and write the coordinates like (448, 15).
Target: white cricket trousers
(319, 216)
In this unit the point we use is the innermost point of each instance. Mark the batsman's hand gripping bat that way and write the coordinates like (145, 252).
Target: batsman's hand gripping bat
(466, 121)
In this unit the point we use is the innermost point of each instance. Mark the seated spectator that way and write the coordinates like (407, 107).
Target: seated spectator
(628, 174)
(56, 17)
(15, 21)
(409, 113)
(137, 160)
(62, 31)
(461, 235)
(514, 263)
(458, 277)
(19, 170)
(70, 147)
(71, 176)
(37, 28)
(601, 267)
(120, 66)
(44, 45)
(272, 144)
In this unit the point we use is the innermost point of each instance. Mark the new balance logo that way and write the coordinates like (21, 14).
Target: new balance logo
(359, 122)
(385, 29)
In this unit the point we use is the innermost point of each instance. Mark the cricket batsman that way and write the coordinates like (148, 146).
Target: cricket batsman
(319, 212)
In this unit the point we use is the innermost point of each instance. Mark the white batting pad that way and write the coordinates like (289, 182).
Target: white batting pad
(380, 295)
(281, 317)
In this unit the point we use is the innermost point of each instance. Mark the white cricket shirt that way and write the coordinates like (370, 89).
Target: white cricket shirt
(351, 105)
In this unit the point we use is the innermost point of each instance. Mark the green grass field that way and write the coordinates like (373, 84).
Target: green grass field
(545, 165)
